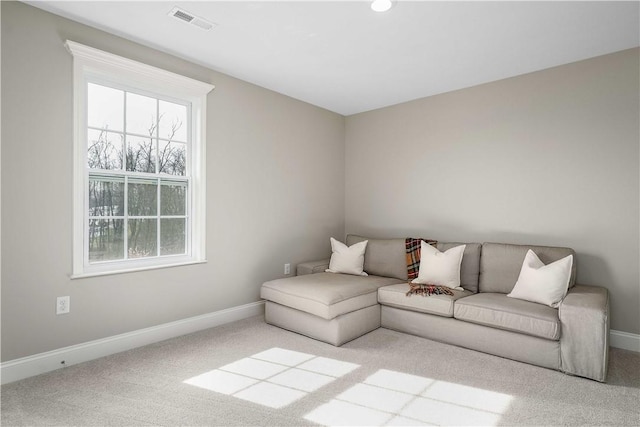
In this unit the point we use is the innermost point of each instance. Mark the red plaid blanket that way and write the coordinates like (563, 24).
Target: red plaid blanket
(413, 268)
(413, 255)
(427, 290)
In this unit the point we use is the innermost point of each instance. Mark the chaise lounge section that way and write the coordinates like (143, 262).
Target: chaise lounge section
(336, 308)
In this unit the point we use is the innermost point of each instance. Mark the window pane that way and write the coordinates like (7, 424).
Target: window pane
(172, 158)
(141, 115)
(143, 238)
(104, 150)
(141, 154)
(105, 107)
(172, 236)
(143, 197)
(173, 121)
(106, 240)
(173, 198)
(106, 196)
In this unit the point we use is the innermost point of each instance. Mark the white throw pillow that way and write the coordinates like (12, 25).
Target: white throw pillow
(544, 284)
(440, 268)
(347, 259)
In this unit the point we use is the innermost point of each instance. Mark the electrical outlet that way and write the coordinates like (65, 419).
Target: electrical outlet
(63, 305)
(287, 269)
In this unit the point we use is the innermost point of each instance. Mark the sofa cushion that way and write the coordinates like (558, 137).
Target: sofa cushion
(383, 257)
(500, 264)
(441, 305)
(326, 295)
(499, 311)
(470, 267)
(439, 268)
(544, 284)
(347, 259)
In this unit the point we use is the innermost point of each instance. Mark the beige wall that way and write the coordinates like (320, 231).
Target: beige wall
(547, 158)
(275, 194)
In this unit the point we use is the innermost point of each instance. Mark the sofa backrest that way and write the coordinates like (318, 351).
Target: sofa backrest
(500, 264)
(470, 267)
(387, 257)
(383, 257)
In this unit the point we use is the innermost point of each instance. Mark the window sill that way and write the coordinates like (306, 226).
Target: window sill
(134, 269)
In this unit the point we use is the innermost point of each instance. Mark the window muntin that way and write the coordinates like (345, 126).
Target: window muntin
(138, 175)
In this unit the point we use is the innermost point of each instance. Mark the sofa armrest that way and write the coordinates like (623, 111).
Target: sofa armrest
(310, 267)
(584, 340)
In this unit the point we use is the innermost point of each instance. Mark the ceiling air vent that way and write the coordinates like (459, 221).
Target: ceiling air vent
(187, 17)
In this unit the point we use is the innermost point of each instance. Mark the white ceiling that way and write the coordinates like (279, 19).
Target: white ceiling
(344, 57)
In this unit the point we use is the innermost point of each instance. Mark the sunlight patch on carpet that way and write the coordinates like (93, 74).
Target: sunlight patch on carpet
(332, 367)
(389, 398)
(222, 382)
(275, 378)
(254, 368)
(283, 357)
(271, 395)
(301, 380)
(339, 413)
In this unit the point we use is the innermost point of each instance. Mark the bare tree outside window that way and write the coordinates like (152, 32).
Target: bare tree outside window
(105, 149)
(137, 176)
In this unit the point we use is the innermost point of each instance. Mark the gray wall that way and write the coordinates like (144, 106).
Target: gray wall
(547, 158)
(275, 194)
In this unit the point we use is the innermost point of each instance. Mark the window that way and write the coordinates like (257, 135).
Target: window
(139, 165)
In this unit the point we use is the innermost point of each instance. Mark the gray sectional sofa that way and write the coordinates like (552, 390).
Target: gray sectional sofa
(337, 308)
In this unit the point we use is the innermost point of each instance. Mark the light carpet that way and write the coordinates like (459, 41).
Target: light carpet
(251, 373)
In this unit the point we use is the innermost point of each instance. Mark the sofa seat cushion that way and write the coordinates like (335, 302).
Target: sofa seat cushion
(440, 305)
(499, 311)
(326, 295)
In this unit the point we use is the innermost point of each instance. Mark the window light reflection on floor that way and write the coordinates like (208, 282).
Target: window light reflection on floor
(273, 378)
(389, 398)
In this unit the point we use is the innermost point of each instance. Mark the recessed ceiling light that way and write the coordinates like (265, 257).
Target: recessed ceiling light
(381, 5)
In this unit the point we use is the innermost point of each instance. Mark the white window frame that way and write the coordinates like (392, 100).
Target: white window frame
(90, 64)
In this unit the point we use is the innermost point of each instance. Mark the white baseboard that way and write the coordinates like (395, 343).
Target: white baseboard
(41, 363)
(37, 364)
(624, 340)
